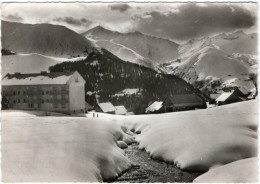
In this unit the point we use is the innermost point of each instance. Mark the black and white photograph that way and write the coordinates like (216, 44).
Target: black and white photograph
(129, 92)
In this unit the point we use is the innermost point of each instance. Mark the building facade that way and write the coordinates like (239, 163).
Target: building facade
(58, 92)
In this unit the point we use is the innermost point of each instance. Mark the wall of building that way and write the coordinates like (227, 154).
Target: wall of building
(38, 97)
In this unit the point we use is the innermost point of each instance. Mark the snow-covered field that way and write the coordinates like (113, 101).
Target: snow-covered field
(203, 140)
(221, 141)
(60, 149)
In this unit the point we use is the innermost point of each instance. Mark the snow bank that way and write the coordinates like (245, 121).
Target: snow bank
(242, 171)
(61, 149)
(200, 140)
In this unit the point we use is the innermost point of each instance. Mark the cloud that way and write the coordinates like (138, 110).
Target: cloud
(192, 21)
(13, 17)
(73, 21)
(120, 7)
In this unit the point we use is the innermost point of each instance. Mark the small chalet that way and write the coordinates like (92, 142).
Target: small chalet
(227, 98)
(57, 91)
(106, 107)
(121, 110)
(154, 107)
(177, 103)
(184, 102)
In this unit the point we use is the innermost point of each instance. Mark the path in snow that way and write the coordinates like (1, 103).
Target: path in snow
(150, 170)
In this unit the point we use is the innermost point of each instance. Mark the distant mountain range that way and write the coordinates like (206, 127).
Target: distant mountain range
(208, 63)
(134, 47)
(213, 63)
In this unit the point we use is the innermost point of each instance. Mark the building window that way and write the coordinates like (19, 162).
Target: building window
(55, 106)
(24, 92)
(18, 100)
(47, 100)
(18, 92)
(47, 92)
(24, 100)
(42, 101)
(14, 101)
(14, 93)
(63, 97)
(63, 105)
(30, 105)
(39, 105)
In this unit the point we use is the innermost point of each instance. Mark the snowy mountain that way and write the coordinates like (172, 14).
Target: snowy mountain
(134, 47)
(108, 78)
(212, 63)
(46, 39)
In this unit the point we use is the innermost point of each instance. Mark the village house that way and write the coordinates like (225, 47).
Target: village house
(154, 107)
(57, 91)
(120, 110)
(184, 102)
(177, 103)
(228, 98)
(106, 107)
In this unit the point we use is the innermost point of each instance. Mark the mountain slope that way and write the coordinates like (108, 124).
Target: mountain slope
(108, 78)
(212, 63)
(30, 63)
(134, 47)
(46, 39)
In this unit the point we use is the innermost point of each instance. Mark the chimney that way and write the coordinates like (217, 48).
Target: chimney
(43, 72)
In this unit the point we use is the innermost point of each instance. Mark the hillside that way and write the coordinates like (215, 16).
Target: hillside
(135, 46)
(29, 63)
(212, 63)
(46, 39)
(108, 78)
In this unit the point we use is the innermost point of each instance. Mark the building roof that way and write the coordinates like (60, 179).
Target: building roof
(186, 100)
(36, 78)
(120, 109)
(154, 106)
(214, 96)
(223, 97)
(107, 107)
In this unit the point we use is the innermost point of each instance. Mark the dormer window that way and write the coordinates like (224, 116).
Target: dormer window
(76, 79)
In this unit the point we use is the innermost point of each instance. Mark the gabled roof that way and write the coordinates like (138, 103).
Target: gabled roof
(214, 96)
(154, 106)
(186, 100)
(120, 109)
(107, 107)
(223, 97)
(37, 78)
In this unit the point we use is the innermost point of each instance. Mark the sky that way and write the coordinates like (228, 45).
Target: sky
(174, 21)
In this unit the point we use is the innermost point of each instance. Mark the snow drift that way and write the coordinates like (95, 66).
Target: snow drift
(200, 140)
(60, 149)
(242, 171)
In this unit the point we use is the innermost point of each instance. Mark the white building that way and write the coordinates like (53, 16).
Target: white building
(56, 91)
